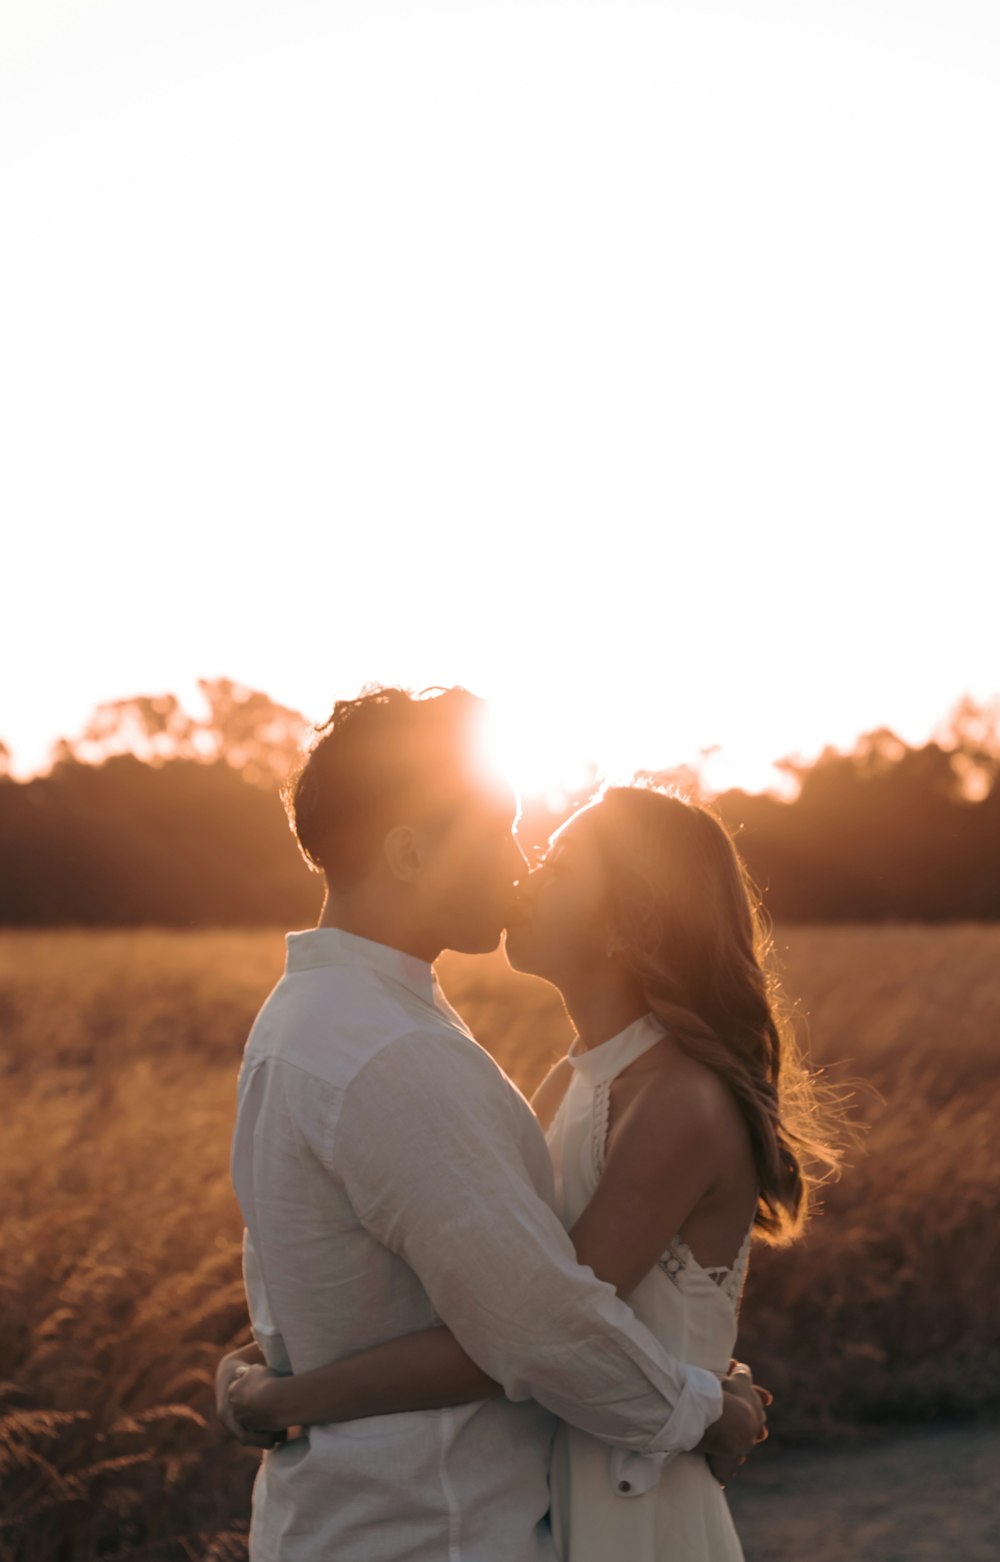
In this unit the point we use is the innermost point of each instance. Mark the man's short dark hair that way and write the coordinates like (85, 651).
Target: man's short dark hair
(382, 759)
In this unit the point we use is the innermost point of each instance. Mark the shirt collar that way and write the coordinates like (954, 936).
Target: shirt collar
(320, 946)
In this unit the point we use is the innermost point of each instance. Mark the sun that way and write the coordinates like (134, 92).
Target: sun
(534, 757)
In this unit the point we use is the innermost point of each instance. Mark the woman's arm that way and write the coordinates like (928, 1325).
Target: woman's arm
(662, 1159)
(421, 1371)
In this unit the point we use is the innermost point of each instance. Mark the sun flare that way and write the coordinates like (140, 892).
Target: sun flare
(534, 757)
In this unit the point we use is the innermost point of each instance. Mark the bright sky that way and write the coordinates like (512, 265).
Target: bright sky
(633, 364)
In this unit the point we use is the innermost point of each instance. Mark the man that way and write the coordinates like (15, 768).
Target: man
(391, 1177)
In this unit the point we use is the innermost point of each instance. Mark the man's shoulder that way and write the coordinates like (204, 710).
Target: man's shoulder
(433, 1055)
(333, 1023)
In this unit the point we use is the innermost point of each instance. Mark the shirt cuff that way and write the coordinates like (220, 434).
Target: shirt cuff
(700, 1404)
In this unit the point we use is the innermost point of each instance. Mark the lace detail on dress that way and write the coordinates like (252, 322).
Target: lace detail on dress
(735, 1278)
(599, 1124)
(729, 1278)
(674, 1261)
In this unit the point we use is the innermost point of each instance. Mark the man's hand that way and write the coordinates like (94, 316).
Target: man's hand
(251, 1400)
(742, 1424)
(230, 1367)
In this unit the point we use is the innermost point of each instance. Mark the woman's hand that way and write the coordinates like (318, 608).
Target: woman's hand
(252, 1400)
(724, 1465)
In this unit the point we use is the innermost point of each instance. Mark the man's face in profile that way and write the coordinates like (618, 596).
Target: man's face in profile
(472, 869)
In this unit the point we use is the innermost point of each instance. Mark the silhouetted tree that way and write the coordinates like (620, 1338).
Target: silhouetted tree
(251, 731)
(242, 728)
(150, 817)
(972, 733)
(885, 832)
(184, 842)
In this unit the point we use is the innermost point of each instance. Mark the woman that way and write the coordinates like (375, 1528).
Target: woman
(678, 1124)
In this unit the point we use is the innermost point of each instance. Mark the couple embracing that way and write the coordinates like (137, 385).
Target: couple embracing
(502, 1332)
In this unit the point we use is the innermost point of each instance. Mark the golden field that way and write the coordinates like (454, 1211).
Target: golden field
(120, 1281)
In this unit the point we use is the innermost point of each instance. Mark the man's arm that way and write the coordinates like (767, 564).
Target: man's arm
(266, 1347)
(430, 1369)
(427, 1147)
(420, 1371)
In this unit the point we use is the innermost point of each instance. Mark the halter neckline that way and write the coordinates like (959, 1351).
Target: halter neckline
(597, 1065)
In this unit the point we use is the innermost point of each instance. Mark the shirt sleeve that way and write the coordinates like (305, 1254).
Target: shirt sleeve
(429, 1152)
(265, 1330)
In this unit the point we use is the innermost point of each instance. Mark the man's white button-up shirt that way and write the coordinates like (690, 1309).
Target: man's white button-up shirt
(391, 1177)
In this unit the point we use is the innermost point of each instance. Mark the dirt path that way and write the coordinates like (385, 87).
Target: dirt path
(925, 1496)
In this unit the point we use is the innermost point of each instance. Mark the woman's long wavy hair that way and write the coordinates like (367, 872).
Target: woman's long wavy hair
(688, 923)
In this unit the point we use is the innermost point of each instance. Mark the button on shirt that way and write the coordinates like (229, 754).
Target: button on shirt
(391, 1177)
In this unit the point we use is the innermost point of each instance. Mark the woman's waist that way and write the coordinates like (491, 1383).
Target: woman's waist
(699, 1330)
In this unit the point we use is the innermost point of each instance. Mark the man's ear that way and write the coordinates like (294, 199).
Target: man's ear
(405, 852)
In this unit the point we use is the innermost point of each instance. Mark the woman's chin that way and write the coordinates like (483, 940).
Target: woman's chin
(517, 948)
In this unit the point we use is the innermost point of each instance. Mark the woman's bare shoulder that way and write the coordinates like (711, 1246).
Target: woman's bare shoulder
(679, 1087)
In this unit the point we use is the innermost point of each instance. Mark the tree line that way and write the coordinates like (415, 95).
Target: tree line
(155, 816)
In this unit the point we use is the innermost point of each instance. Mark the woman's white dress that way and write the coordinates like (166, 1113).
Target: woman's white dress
(609, 1505)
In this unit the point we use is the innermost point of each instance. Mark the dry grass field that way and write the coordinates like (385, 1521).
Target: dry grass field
(120, 1280)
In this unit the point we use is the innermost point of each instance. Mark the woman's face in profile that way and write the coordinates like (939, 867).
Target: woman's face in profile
(560, 922)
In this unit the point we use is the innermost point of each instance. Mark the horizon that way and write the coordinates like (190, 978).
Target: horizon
(540, 767)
